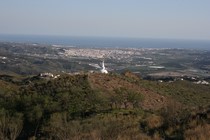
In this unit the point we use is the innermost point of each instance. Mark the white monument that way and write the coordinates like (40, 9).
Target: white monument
(103, 70)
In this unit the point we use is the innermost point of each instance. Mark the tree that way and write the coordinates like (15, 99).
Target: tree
(127, 97)
(60, 127)
(11, 125)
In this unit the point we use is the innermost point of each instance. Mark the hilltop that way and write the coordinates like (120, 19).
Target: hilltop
(109, 83)
(102, 106)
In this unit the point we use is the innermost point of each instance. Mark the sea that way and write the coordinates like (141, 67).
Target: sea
(107, 42)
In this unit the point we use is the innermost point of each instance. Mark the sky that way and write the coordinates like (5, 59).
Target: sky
(179, 19)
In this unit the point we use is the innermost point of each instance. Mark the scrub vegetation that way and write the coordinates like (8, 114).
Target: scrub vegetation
(102, 106)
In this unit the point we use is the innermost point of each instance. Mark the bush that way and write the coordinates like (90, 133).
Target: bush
(11, 125)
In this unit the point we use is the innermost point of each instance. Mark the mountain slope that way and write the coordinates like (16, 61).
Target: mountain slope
(108, 83)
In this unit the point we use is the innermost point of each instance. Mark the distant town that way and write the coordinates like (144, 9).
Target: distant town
(161, 64)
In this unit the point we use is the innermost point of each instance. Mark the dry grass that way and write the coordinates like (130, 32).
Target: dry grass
(154, 121)
(201, 132)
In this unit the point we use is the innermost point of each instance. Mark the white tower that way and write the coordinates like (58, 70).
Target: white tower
(103, 70)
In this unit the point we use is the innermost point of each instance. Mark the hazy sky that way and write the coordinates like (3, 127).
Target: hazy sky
(187, 19)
